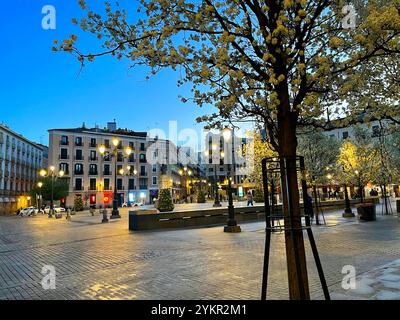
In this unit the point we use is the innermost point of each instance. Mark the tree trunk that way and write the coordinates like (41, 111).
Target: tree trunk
(295, 253)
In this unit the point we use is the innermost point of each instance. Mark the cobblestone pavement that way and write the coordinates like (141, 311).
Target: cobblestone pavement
(107, 261)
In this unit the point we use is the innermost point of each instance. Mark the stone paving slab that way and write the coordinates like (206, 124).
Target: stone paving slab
(107, 261)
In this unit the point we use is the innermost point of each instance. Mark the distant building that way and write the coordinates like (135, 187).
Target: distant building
(91, 176)
(20, 162)
(219, 168)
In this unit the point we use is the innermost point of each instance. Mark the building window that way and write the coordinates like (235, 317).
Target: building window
(107, 143)
(154, 168)
(345, 134)
(78, 141)
(107, 184)
(64, 167)
(142, 183)
(119, 184)
(92, 184)
(154, 181)
(120, 157)
(78, 168)
(142, 157)
(93, 169)
(64, 154)
(131, 184)
(78, 154)
(93, 143)
(64, 140)
(142, 148)
(78, 184)
(142, 170)
(106, 169)
(93, 155)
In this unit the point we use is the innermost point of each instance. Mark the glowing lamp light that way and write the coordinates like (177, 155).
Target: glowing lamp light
(106, 199)
(189, 172)
(121, 171)
(128, 151)
(43, 172)
(329, 176)
(134, 171)
(214, 147)
(102, 149)
(115, 142)
(222, 154)
(226, 134)
(40, 184)
(61, 173)
(52, 168)
(356, 172)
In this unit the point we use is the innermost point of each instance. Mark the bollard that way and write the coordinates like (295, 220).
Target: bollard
(105, 220)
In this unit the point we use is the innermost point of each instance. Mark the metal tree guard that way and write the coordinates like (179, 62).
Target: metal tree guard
(271, 166)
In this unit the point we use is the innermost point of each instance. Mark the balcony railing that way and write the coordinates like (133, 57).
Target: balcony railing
(93, 173)
(63, 157)
(143, 187)
(64, 143)
(93, 145)
(78, 173)
(106, 173)
(79, 144)
(79, 158)
(120, 188)
(77, 188)
(93, 158)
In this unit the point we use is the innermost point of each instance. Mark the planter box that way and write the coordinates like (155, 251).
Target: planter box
(366, 211)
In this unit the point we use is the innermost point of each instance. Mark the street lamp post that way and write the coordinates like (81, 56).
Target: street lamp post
(231, 223)
(185, 173)
(39, 202)
(348, 213)
(52, 174)
(360, 188)
(114, 154)
(217, 203)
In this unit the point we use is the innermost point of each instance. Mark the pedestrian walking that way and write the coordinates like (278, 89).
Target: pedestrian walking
(250, 199)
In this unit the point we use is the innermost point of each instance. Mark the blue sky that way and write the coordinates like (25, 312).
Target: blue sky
(40, 89)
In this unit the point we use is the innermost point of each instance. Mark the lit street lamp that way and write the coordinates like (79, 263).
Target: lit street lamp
(348, 213)
(231, 222)
(114, 154)
(360, 188)
(53, 175)
(185, 173)
(39, 198)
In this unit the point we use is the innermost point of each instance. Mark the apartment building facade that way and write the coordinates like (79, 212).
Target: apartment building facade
(20, 162)
(91, 175)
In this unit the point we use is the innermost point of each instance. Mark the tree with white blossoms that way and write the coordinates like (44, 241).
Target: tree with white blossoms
(282, 62)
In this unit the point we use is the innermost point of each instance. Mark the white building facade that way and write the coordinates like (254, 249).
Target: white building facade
(20, 162)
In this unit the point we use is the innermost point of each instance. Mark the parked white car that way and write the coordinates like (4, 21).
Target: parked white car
(29, 211)
(57, 209)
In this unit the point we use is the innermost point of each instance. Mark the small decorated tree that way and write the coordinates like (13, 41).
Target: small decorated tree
(201, 197)
(165, 201)
(259, 195)
(78, 204)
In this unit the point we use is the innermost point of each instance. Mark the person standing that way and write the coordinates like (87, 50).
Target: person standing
(250, 199)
